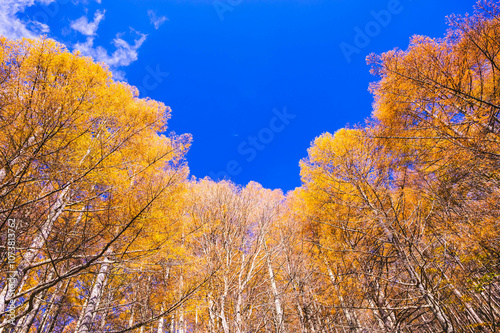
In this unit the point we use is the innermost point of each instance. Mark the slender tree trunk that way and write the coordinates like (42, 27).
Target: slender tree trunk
(222, 314)
(132, 317)
(212, 313)
(95, 296)
(172, 324)
(106, 311)
(54, 319)
(161, 322)
(239, 299)
(277, 301)
(53, 305)
(467, 305)
(99, 299)
(301, 317)
(30, 317)
(196, 320)
(182, 323)
(350, 315)
(386, 320)
(431, 300)
(80, 317)
(36, 244)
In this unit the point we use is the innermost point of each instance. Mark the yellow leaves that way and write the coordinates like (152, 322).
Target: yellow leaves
(328, 146)
(410, 190)
(65, 122)
(335, 163)
(442, 92)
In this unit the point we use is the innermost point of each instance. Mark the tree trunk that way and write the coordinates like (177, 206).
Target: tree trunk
(222, 314)
(212, 313)
(95, 296)
(30, 317)
(277, 301)
(106, 311)
(161, 322)
(350, 315)
(36, 244)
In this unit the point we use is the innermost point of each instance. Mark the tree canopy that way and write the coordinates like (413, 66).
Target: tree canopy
(394, 229)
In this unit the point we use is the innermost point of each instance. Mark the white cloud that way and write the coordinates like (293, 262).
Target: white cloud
(156, 21)
(83, 26)
(124, 53)
(13, 27)
(86, 48)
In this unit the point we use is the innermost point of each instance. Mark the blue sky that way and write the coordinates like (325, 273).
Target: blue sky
(253, 81)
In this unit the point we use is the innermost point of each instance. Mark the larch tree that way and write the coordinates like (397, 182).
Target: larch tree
(84, 171)
(394, 229)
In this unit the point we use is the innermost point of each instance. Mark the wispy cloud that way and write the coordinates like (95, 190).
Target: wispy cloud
(124, 47)
(13, 27)
(155, 20)
(83, 26)
(124, 54)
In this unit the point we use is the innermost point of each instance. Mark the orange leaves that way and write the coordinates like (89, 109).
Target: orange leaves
(392, 226)
(65, 124)
(443, 91)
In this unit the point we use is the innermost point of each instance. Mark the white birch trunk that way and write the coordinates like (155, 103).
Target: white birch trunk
(30, 317)
(36, 244)
(172, 324)
(211, 313)
(439, 313)
(222, 314)
(95, 296)
(161, 322)
(239, 300)
(351, 317)
(49, 310)
(182, 324)
(106, 311)
(277, 301)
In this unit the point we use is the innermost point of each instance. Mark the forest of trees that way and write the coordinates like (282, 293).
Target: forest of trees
(394, 229)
